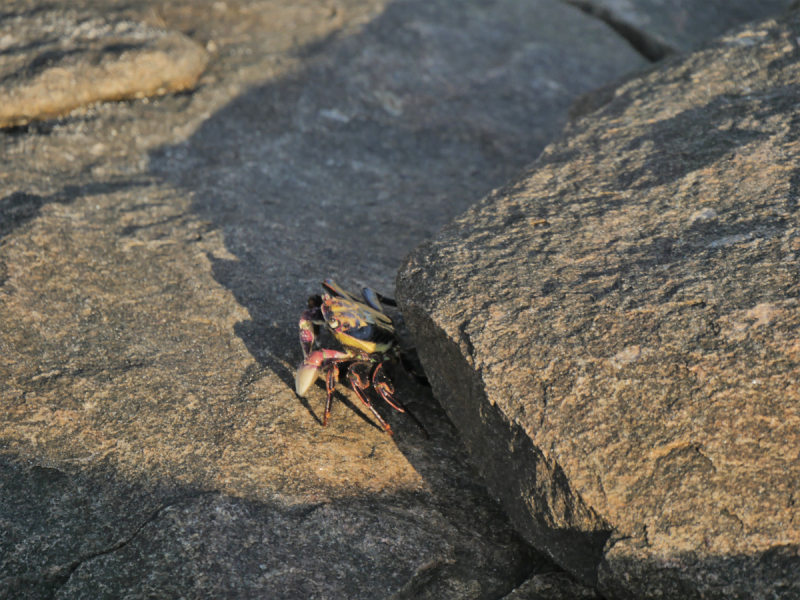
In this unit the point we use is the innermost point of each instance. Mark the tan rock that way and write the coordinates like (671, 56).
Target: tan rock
(84, 58)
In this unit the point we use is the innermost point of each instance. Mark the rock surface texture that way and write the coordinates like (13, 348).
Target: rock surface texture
(552, 586)
(156, 255)
(658, 28)
(615, 333)
(53, 61)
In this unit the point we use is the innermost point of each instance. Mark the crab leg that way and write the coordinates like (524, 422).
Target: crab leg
(358, 374)
(330, 385)
(381, 382)
(310, 321)
(374, 299)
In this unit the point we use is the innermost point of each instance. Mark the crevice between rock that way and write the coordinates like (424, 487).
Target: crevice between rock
(648, 46)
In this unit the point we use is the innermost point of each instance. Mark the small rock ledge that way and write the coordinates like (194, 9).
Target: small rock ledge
(83, 57)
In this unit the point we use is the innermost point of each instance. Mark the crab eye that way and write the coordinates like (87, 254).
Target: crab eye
(333, 323)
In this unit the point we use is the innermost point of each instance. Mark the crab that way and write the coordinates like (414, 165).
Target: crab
(369, 343)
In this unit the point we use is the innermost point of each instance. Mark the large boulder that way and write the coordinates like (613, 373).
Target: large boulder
(615, 333)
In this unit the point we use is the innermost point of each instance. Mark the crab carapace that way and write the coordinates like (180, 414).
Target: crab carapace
(369, 343)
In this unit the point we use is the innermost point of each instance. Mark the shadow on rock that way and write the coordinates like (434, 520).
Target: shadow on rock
(144, 538)
(17, 208)
(340, 168)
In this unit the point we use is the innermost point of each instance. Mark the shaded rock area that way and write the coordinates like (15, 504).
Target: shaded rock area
(614, 333)
(156, 255)
(657, 28)
(55, 60)
(552, 586)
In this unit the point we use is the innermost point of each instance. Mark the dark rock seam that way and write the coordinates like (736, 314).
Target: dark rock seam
(63, 580)
(646, 45)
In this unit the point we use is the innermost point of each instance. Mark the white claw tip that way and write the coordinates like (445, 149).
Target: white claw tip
(304, 379)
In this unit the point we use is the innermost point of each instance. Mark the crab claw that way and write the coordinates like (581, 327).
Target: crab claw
(304, 378)
(312, 367)
(307, 372)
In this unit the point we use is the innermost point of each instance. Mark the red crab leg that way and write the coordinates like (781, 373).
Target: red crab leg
(381, 382)
(358, 374)
(310, 321)
(330, 385)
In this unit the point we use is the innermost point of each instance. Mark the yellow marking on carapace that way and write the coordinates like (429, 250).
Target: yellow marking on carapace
(368, 347)
(355, 314)
(352, 316)
(350, 297)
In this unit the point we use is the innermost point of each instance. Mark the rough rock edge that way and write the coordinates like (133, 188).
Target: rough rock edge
(575, 534)
(435, 342)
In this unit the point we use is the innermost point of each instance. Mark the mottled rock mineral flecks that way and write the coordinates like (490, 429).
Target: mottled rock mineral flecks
(156, 256)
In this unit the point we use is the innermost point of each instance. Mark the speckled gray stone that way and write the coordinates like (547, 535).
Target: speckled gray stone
(552, 586)
(615, 332)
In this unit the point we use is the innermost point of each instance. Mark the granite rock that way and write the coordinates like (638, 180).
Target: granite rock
(55, 60)
(614, 333)
(156, 255)
(657, 28)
